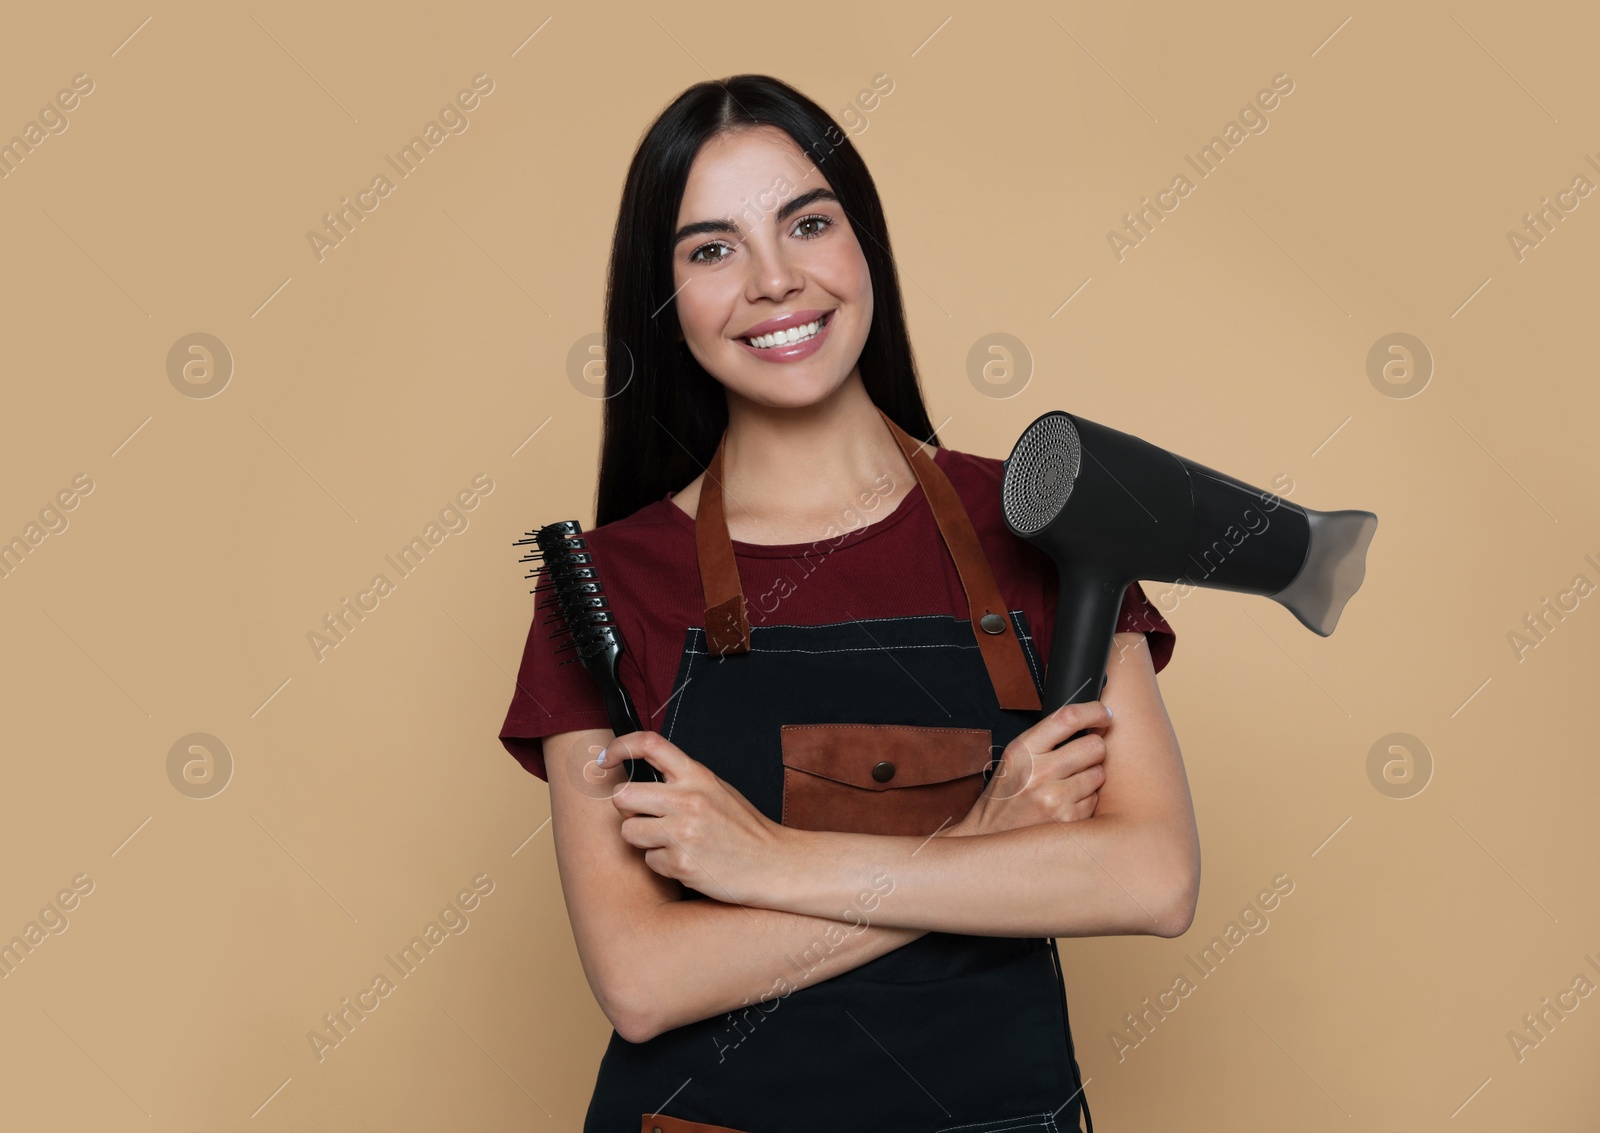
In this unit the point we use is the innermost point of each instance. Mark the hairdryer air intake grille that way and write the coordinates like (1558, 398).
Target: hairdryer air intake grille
(1041, 472)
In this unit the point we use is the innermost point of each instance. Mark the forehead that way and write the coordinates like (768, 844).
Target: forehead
(760, 166)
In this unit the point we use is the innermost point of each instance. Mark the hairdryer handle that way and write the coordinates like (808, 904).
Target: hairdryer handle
(1087, 605)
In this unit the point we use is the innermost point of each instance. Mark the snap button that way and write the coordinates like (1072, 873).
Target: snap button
(655, 1129)
(993, 623)
(883, 771)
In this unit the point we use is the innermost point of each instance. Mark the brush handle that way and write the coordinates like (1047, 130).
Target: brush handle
(619, 705)
(603, 666)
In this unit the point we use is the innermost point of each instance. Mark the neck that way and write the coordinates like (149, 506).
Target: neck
(788, 465)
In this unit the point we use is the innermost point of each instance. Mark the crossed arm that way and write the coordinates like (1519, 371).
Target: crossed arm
(798, 906)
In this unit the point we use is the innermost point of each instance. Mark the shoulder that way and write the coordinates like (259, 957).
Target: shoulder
(1020, 566)
(977, 479)
(641, 553)
(970, 467)
(648, 532)
(646, 563)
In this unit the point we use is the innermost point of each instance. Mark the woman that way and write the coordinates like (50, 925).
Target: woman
(837, 910)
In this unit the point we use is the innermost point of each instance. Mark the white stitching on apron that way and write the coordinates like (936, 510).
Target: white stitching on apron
(683, 693)
(1008, 1124)
(1028, 652)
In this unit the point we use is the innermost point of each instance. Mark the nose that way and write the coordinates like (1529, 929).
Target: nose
(772, 272)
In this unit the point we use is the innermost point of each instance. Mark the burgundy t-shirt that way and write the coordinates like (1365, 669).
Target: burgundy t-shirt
(879, 566)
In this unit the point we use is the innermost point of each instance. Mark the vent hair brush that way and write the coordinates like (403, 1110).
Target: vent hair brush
(584, 621)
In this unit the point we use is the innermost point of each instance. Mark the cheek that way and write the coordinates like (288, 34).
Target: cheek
(862, 278)
(845, 273)
(863, 284)
(866, 294)
(857, 267)
(702, 309)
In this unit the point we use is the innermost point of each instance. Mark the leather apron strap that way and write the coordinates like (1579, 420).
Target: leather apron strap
(727, 623)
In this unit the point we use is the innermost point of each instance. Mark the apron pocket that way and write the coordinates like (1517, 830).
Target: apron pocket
(881, 778)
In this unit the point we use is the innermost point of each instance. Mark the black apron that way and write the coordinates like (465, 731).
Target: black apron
(949, 1032)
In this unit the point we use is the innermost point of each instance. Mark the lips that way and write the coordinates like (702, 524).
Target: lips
(809, 328)
(794, 319)
(793, 334)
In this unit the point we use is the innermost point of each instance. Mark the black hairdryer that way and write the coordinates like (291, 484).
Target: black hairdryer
(1110, 509)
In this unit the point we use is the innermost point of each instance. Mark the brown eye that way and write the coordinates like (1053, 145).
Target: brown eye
(698, 256)
(819, 225)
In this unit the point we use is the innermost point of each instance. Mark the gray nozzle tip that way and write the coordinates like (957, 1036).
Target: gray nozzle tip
(1335, 566)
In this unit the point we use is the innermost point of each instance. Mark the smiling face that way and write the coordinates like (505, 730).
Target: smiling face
(773, 294)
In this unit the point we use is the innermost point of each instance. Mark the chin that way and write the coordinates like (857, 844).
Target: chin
(788, 389)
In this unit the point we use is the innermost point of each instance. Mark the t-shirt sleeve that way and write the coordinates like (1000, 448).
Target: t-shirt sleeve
(551, 695)
(1139, 616)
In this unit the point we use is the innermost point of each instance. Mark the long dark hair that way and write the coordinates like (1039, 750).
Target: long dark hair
(663, 413)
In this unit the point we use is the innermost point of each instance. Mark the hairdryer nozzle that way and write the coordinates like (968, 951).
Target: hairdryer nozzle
(1336, 564)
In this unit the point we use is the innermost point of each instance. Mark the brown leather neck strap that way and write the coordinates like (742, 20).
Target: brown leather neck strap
(728, 627)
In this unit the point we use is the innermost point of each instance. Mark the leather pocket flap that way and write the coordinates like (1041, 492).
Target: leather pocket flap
(880, 757)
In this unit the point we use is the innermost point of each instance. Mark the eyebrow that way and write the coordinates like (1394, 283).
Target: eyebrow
(788, 209)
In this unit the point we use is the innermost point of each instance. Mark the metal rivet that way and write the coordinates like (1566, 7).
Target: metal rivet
(993, 623)
(883, 771)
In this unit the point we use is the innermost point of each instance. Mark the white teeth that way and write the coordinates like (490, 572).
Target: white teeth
(785, 337)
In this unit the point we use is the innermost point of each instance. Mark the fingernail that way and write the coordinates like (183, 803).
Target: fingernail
(601, 758)
(1109, 712)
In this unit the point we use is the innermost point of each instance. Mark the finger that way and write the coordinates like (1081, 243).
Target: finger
(1054, 729)
(1074, 756)
(1039, 753)
(649, 799)
(661, 861)
(1021, 763)
(1073, 805)
(1083, 808)
(644, 832)
(1085, 783)
(652, 747)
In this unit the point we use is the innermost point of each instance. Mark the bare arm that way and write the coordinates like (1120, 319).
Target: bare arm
(656, 961)
(1134, 867)
(1131, 868)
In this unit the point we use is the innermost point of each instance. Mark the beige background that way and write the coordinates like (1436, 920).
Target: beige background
(367, 789)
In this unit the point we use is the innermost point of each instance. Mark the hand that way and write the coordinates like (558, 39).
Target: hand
(693, 827)
(1038, 781)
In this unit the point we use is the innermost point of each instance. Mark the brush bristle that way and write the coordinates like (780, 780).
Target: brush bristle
(579, 610)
